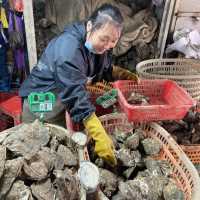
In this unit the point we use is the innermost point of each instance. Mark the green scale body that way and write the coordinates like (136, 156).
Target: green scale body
(107, 99)
(41, 102)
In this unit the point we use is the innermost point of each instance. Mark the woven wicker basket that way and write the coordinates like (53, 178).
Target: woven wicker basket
(186, 72)
(184, 172)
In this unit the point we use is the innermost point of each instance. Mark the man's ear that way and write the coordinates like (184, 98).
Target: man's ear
(89, 26)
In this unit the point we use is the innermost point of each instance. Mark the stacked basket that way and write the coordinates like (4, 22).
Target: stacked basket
(186, 72)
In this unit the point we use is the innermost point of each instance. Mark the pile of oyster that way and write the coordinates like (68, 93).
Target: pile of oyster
(138, 174)
(186, 131)
(38, 162)
(137, 99)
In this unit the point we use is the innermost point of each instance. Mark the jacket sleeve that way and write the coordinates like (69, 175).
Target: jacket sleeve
(73, 92)
(71, 79)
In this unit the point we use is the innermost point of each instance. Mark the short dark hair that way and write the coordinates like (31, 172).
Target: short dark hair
(106, 13)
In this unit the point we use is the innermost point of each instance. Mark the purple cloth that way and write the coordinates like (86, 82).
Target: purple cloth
(19, 54)
(19, 58)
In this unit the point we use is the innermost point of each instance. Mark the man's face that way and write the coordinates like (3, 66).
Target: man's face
(104, 38)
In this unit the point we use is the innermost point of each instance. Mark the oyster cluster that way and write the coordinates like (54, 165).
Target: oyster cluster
(186, 131)
(137, 99)
(138, 174)
(38, 162)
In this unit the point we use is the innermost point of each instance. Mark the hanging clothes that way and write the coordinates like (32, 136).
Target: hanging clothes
(16, 41)
(3, 18)
(4, 74)
(3, 26)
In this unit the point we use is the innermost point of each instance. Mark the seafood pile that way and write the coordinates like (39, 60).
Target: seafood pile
(38, 162)
(139, 174)
(137, 99)
(186, 131)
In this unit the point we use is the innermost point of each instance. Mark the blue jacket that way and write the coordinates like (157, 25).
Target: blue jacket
(65, 67)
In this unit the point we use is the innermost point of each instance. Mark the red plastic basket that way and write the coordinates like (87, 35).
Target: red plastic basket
(168, 101)
(10, 104)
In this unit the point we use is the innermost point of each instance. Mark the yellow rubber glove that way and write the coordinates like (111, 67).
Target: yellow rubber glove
(119, 73)
(103, 144)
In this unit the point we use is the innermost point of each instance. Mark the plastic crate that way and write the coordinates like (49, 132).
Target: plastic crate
(186, 72)
(168, 101)
(184, 171)
(10, 104)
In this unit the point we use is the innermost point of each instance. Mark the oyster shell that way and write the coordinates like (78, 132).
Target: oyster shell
(70, 159)
(67, 185)
(2, 159)
(172, 192)
(11, 172)
(132, 142)
(108, 182)
(43, 190)
(151, 146)
(125, 158)
(28, 139)
(19, 191)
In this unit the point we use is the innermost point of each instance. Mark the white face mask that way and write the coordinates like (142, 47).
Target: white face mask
(90, 47)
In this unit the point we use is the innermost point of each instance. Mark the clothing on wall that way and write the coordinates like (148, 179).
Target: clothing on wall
(4, 75)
